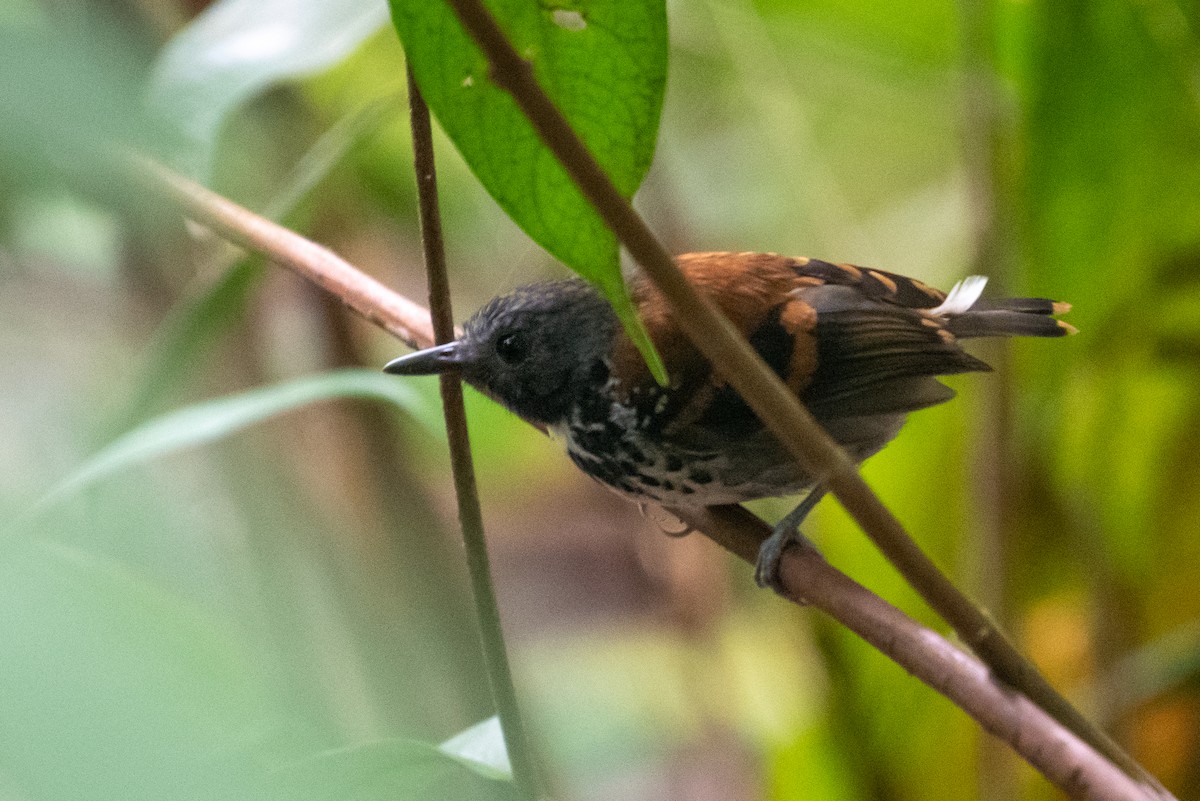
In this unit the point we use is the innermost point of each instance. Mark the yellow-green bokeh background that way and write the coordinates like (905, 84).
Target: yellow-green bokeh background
(298, 587)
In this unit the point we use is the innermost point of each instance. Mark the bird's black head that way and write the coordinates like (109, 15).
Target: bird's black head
(535, 350)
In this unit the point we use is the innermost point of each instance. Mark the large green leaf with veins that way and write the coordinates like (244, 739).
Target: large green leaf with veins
(603, 63)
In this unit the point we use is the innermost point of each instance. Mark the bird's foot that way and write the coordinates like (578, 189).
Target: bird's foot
(770, 557)
(785, 534)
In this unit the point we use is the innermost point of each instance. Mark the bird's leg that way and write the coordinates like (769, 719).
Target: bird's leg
(785, 533)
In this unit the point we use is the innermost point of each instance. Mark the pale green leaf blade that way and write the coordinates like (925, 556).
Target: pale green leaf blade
(237, 48)
(398, 770)
(118, 689)
(205, 422)
(69, 95)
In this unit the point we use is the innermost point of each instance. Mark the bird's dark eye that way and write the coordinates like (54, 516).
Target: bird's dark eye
(512, 348)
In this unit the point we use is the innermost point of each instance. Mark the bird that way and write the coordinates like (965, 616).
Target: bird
(861, 348)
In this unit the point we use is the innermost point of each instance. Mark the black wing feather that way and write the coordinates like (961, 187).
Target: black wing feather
(882, 360)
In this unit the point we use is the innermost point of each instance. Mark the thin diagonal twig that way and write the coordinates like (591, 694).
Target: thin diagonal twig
(470, 516)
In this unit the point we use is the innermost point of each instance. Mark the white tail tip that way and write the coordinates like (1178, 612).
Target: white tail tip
(961, 297)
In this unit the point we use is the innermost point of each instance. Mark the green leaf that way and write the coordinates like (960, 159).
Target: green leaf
(237, 48)
(69, 93)
(116, 689)
(212, 420)
(464, 767)
(604, 63)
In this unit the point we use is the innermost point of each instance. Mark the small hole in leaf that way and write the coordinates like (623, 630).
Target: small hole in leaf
(468, 81)
(569, 20)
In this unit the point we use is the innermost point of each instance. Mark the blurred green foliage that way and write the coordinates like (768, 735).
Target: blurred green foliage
(281, 612)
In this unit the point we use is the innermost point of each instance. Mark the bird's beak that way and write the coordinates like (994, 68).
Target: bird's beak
(427, 362)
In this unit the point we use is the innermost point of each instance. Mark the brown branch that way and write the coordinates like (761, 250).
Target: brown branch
(1053, 750)
(393, 313)
(491, 634)
(778, 408)
(1063, 757)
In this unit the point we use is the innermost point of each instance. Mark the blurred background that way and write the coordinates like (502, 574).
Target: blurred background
(217, 620)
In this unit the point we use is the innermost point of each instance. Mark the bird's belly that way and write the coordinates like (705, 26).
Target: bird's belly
(675, 476)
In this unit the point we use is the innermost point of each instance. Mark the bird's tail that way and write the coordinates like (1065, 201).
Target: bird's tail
(968, 316)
